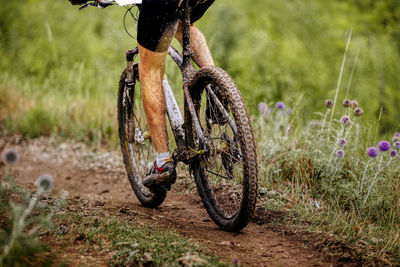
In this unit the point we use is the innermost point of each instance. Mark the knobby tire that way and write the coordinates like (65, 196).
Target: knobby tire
(215, 196)
(147, 198)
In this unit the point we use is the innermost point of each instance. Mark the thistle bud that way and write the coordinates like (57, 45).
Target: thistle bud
(396, 139)
(45, 181)
(358, 112)
(10, 156)
(346, 103)
(329, 103)
(354, 104)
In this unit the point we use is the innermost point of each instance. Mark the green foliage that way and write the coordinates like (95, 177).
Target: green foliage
(276, 49)
(13, 203)
(66, 63)
(338, 194)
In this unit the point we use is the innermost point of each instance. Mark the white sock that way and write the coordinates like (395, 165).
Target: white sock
(161, 158)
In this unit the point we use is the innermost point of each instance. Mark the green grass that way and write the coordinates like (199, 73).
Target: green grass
(13, 202)
(131, 242)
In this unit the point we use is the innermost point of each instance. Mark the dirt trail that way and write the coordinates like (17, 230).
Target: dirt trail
(101, 177)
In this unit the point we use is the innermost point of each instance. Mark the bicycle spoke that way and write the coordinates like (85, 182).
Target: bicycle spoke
(224, 165)
(216, 174)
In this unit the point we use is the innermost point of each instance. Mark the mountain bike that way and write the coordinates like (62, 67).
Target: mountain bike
(214, 136)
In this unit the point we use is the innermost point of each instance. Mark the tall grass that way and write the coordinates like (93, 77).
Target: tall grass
(354, 196)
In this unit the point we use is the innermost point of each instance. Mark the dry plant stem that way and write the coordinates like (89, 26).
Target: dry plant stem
(375, 179)
(348, 131)
(20, 224)
(377, 125)
(363, 177)
(341, 74)
(323, 122)
(352, 72)
(48, 218)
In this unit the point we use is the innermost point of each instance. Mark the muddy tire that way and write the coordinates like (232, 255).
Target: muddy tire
(226, 175)
(137, 151)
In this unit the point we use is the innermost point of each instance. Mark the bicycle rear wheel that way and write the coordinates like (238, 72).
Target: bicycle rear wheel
(137, 149)
(226, 175)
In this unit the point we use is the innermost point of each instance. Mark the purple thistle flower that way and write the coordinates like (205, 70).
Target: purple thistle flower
(341, 142)
(393, 153)
(262, 107)
(345, 120)
(340, 153)
(384, 145)
(397, 134)
(280, 105)
(235, 261)
(289, 111)
(396, 145)
(372, 152)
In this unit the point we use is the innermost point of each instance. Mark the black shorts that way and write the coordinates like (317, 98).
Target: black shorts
(158, 19)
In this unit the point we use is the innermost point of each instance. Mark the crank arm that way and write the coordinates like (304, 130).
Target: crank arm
(186, 155)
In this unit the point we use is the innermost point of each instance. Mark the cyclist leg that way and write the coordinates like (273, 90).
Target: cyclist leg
(158, 22)
(151, 71)
(157, 25)
(201, 52)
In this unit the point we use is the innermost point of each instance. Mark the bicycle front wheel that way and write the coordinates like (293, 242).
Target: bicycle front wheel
(226, 172)
(137, 149)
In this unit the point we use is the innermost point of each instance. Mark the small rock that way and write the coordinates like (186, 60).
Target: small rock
(190, 260)
(227, 243)
(62, 229)
(263, 191)
(99, 203)
(146, 258)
